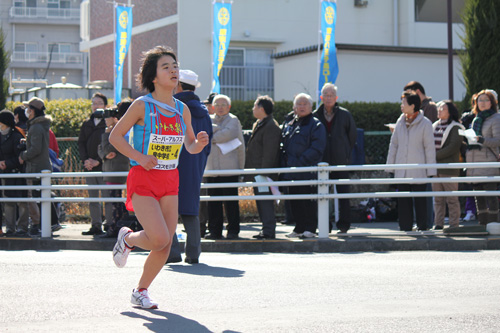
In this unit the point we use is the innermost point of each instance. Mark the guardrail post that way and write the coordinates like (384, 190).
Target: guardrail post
(45, 211)
(323, 212)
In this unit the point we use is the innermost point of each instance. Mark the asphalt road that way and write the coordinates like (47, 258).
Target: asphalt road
(82, 291)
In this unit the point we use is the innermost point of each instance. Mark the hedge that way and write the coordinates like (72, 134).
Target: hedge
(68, 115)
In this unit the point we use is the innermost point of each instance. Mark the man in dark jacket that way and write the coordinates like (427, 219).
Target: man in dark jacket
(303, 142)
(341, 138)
(191, 168)
(88, 141)
(263, 152)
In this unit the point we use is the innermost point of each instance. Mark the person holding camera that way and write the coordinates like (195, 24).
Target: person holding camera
(113, 160)
(36, 154)
(88, 140)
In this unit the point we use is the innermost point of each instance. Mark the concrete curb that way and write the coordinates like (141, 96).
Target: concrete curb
(331, 245)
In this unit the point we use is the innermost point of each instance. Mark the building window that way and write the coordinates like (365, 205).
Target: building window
(25, 52)
(436, 11)
(247, 73)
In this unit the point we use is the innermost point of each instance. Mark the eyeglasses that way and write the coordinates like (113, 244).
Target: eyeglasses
(484, 100)
(221, 105)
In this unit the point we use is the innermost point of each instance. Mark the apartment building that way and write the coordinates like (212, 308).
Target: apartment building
(43, 38)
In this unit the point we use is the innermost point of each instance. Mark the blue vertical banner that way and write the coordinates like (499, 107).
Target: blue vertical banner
(329, 68)
(122, 44)
(221, 38)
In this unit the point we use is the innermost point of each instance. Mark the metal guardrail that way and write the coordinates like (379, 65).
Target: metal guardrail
(322, 182)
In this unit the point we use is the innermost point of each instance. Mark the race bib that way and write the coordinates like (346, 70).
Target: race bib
(166, 148)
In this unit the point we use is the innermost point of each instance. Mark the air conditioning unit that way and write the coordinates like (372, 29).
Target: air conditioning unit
(360, 3)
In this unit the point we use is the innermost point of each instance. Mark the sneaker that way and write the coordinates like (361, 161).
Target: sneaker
(469, 216)
(35, 230)
(121, 250)
(308, 234)
(141, 297)
(93, 231)
(9, 233)
(21, 233)
(293, 234)
(56, 227)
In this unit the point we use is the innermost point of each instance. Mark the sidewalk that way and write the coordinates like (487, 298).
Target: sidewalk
(363, 237)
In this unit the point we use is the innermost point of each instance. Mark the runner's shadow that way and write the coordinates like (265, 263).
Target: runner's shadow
(206, 270)
(161, 321)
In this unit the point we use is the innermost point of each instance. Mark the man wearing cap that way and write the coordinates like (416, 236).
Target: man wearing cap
(36, 156)
(191, 168)
(88, 141)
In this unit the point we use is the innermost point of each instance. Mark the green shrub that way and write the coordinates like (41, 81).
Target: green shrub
(67, 115)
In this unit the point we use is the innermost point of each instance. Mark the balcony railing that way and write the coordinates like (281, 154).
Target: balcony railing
(247, 82)
(47, 13)
(62, 58)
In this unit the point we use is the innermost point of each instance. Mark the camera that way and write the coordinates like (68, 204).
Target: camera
(22, 145)
(106, 113)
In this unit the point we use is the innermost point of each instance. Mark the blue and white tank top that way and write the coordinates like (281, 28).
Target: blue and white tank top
(161, 135)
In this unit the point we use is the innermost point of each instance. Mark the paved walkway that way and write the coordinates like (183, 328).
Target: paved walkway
(363, 237)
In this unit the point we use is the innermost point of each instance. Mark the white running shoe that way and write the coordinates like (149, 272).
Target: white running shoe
(308, 234)
(121, 251)
(141, 298)
(293, 234)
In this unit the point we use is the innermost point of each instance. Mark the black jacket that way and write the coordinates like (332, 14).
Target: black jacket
(9, 152)
(303, 142)
(342, 135)
(89, 140)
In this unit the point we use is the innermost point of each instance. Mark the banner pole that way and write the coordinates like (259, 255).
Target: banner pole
(319, 55)
(212, 47)
(114, 51)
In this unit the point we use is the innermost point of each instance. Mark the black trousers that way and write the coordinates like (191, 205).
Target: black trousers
(304, 212)
(344, 222)
(406, 205)
(215, 208)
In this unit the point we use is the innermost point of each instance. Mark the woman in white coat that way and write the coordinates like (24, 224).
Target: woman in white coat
(412, 142)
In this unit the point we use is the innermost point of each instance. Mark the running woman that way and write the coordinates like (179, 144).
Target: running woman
(161, 125)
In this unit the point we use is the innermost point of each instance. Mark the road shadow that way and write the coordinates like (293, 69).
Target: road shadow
(206, 270)
(161, 321)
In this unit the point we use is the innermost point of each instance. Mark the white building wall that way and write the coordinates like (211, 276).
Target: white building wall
(291, 24)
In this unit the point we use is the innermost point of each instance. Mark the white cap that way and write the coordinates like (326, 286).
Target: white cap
(189, 77)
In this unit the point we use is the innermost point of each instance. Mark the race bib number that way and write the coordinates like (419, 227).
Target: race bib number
(166, 148)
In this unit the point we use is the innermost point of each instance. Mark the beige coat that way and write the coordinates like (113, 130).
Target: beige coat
(491, 135)
(412, 145)
(226, 128)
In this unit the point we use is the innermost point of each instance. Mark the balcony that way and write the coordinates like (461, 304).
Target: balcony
(70, 14)
(43, 57)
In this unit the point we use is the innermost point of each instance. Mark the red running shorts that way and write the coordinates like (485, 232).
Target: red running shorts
(153, 183)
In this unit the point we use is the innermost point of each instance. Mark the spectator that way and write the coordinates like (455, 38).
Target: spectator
(90, 137)
(341, 139)
(466, 120)
(412, 143)
(486, 125)
(303, 142)
(263, 152)
(10, 139)
(448, 143)
(191, 168)
(203, 216)
(426, 103)
(21, 119)
(113, 160)
(36, 155)
(226, 131)
(208, 103)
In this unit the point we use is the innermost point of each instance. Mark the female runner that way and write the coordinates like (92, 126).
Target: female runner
(161, 124)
